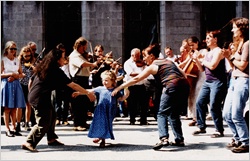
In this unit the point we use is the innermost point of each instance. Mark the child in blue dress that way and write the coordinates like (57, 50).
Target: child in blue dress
(101, 127)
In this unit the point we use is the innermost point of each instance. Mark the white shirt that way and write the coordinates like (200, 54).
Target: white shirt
(75, 62)
(10, 66)
(130, 67)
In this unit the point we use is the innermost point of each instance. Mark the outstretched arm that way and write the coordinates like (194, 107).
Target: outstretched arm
(125, 96)
(81, 90)
(144, 74)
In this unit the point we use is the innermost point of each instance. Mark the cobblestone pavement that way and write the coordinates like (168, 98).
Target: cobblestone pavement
(132, 142)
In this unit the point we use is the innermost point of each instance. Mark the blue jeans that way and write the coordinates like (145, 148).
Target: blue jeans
(212, 93)
(172, 102)
(233, 110)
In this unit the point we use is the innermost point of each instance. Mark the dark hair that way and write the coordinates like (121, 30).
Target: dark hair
(60, 46)
(48, 63)
(168, 47)
(243, 24)
(153, 49)
(216, 34)
(194, 39)
(99, 46)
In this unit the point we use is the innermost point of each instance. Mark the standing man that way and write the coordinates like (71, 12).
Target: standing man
(33, 46)
(136, 99)
(80, 68)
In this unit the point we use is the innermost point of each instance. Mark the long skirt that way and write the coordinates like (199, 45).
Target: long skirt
(12, 94)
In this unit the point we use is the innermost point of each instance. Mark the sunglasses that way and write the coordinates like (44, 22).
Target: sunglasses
(13, 48)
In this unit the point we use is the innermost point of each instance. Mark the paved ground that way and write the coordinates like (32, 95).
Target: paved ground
(133, 142)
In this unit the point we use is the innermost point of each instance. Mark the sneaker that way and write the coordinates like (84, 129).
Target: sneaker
(241, 149)
(201, 131)
(163, 142)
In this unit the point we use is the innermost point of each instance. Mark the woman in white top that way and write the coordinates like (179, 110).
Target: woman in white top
(12, 96)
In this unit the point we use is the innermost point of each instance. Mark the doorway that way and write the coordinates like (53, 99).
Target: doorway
(141, 25)
(62, 24)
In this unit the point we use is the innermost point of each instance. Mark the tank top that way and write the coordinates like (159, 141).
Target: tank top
(219, 72)
(168, 74)
(10, 66)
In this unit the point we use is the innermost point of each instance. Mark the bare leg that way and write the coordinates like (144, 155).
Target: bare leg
(6, 115)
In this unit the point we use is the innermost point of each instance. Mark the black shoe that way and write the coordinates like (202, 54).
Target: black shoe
(241, 149)
(181, 144)
(16, 133)
(201, 131)
(9, 133)
(18, 127)
(163, 142)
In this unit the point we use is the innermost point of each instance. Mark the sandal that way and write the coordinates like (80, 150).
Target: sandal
(163, 142)
(193, 123)
(201, 131)
(97, 140)
(217, 135)
(29, 147)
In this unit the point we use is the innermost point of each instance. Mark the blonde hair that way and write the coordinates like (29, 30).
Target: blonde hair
(7, 46)
(111, 75)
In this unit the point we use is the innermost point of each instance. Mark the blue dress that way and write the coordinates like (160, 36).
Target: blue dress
(104, 114)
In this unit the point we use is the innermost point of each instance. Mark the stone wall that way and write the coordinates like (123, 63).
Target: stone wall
(22, 21)
(102, 23)
(178, 20)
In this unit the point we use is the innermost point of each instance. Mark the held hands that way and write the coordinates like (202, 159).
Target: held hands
(90, 95)
(14, 76)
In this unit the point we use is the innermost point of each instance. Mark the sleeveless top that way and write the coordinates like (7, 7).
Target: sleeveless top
(219, 72)
(28, 71)
(10, 66)
(168, 74)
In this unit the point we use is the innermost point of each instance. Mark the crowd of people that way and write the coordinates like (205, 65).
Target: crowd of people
(208, 79)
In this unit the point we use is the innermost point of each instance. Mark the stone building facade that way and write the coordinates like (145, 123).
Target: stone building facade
(118, 25)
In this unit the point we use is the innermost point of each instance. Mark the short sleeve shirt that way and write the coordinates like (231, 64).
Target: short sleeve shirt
(40, 92)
